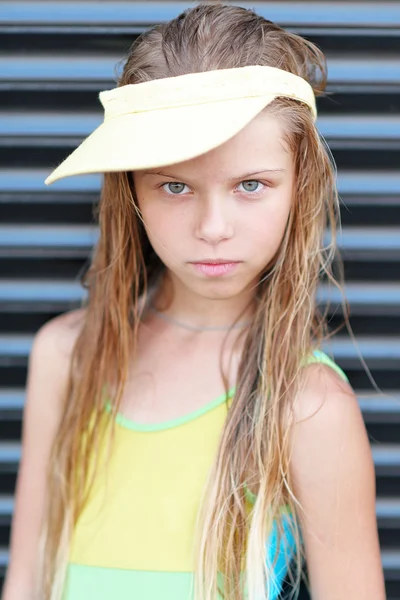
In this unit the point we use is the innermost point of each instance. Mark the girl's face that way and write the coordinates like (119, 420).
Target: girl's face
(231, 203)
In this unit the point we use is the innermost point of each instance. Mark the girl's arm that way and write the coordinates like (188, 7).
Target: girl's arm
(47, 378)
(334, 480)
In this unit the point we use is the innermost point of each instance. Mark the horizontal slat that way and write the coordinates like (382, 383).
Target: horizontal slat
(332, 14)
(41, 236)
(360, 127)
(388, 510)
(4, 558)
(370, 183)
(348, 71)
(47, 68)
(10, 453)
(376, 351)
(379, 349)
(12, 399)
(40, 291)
(364, 298)
(386, 458)
(391, 565)
(369, 241)
(6, 505)
(66, 130)
(70, 126)
(17, 345)
(32, 181)
(378, 408)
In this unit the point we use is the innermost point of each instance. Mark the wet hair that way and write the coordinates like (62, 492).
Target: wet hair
(253, 451)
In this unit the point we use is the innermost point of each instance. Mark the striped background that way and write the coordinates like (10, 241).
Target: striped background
(56, 56)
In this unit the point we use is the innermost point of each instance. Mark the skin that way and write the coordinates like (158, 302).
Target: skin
(334, 480)
(196, 211)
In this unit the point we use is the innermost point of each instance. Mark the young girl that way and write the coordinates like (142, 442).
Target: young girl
(198, 443)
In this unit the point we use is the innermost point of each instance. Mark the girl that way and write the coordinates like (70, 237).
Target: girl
(198, 442)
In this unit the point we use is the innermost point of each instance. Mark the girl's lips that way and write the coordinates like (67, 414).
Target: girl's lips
(215, 270)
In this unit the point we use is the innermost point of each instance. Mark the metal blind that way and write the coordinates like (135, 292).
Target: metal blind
(54, 59)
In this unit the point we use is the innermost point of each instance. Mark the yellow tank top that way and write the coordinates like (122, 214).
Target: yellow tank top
(134, 538)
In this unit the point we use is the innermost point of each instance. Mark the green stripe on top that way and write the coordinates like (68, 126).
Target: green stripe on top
(130, 424)
(318, 356)
(99, 583)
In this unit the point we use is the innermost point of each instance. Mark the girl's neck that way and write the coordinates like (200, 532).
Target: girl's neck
(183, 308)
(188, 326)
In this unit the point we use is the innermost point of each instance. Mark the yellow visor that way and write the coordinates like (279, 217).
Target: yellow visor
(167, 121)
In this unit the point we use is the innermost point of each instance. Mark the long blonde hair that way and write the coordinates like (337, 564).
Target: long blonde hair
(287, 325)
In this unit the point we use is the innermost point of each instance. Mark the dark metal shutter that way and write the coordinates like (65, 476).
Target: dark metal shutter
(56, 56)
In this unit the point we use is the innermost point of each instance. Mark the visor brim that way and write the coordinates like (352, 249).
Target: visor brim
(156, 138)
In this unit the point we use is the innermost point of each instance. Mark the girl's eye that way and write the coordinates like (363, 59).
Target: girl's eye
(176, 187)
(252, 183)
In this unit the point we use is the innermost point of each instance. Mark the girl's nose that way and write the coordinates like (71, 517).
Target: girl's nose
(214, 220)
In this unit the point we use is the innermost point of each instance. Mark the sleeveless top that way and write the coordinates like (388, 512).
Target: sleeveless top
(134, 536)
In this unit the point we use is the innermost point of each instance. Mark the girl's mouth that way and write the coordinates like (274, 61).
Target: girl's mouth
(215, 269)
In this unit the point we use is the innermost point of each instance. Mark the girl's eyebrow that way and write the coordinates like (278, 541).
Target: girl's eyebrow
(229, 178)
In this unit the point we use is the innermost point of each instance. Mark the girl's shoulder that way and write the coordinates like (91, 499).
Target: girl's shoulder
(323, 384)
(61, 332)
(53, 344)
(49, 366)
